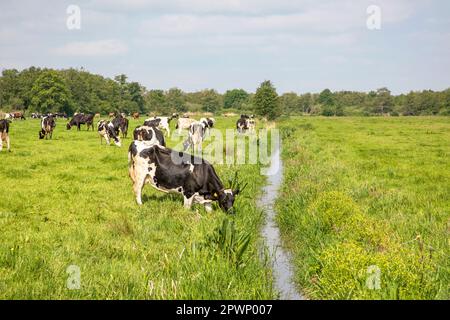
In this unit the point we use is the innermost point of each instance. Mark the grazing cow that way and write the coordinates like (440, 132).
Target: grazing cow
(193, 177)
(81, 118)
(4, 134)
(47, 125)
(150, 134)
(196, 134)
(121, 124)
(106, 130)
(18, 115)
(161, 122)
(209, 123)
(245, 123)
(184, 123)
(135, 115)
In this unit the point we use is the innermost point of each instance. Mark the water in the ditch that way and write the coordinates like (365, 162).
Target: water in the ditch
(281, 267)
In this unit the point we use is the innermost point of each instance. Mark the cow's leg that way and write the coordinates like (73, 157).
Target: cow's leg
(138, 186)
(1, 142)
(188, 201)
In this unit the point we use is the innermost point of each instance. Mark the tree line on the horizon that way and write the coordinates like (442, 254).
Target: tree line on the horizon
(72, 90)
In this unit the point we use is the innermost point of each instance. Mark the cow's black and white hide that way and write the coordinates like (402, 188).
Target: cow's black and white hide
(162, 123)
(242, 125)
(151, 134)
(184, 123)
(4, 134)
(107, 131)
(121, 125)
(197, 132)
(48, 123)
(192, 177)
(209, 124)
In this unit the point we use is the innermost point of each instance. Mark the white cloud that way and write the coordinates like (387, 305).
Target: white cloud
(93, 48)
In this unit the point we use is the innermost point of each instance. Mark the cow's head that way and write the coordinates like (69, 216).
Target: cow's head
(41, 134)
(68, 126)
(227, 197)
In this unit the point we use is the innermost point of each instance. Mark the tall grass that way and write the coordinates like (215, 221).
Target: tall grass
(69, 201)
(364, 195)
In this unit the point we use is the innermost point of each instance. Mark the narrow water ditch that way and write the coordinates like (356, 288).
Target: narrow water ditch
(281, 266)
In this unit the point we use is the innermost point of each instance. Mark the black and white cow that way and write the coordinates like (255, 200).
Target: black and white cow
(209, 124)
(197, 132)
(150, 134)
(184, 123)
(121, 124)
(107, 131)
(47, 125)
(80, 118)
(245, 124)
(4, 134)
(161, 122)
(192, 177)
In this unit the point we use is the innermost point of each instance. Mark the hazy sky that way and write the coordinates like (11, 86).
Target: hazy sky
(301, 46)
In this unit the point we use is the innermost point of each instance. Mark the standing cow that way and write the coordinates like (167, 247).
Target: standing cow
(47, 125)
(121, 124)
(192, 177)
(161, 122)
(184, 123)
(4, 134)
(80, 118)
(196, 134)
(107, 131)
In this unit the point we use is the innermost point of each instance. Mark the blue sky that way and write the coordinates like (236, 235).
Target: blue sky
(300, 45)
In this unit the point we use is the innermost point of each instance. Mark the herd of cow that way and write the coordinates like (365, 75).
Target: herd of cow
(150, 161)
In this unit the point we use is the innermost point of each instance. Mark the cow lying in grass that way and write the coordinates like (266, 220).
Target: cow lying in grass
(4, 134)
(192, 177)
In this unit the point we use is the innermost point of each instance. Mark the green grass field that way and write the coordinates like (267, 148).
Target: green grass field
(366, 199)
(362, 197)
(69, 201)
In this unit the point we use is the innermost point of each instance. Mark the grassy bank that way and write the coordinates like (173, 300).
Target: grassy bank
(69, 201)
(365, 206)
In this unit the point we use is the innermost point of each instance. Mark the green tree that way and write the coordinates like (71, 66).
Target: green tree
(175, 100)
(383, 101)
(326, 98)
(266, 101)
(155, 101)
(234, 98)
(290, 103)
(210, 100)
(50, 94)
